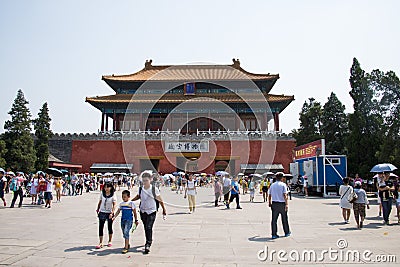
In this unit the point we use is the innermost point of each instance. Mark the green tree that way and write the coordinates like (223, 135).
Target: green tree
(334, 125)
(19, 142)
(43, 134)
(365, 123)
(3, 151)
(387, 86)
(310, 122)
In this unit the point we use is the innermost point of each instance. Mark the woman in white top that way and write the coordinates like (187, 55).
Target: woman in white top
(105, 212)
(345, 191)
(190, 192)
(34, 186)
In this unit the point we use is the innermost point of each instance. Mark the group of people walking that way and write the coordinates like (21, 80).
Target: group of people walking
(356, 199)
(107, 211)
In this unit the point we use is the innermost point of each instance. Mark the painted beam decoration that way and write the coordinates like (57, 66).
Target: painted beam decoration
(186, 146)
(309, 150)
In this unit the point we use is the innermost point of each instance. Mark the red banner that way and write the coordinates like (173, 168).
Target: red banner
(308, 150)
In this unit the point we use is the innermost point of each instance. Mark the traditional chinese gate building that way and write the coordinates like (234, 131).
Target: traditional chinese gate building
(199, 118)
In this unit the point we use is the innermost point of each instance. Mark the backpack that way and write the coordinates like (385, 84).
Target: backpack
(14, 184)
(352, 197)
(153, 189)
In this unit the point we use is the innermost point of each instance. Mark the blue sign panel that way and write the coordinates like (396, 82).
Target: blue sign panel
(190, 89)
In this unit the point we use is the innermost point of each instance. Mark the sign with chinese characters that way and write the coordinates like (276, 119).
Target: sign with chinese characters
(190, 89)
(186, 146)
(309, 150)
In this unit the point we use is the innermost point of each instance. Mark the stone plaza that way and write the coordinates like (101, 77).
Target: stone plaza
(66, 234)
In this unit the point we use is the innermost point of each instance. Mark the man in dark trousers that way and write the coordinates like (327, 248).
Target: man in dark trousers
(278, 202)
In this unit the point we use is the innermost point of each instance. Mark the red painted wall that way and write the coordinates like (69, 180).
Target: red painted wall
(251, 152)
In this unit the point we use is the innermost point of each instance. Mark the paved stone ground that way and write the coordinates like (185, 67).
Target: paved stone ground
(66, 234)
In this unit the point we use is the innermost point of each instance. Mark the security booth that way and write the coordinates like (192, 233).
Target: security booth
(325, 173)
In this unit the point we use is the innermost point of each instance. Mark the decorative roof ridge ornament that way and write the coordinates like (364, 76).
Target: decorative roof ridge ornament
(236, 63)
(147, 64)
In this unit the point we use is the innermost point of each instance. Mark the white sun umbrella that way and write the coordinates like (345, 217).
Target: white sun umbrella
(221, 173)
(108, 174)
(268, 173)
(240, 174)
(168, 176)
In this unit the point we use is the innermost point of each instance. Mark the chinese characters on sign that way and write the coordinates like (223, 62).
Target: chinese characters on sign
(190, 89)
(308, 150)
(186, 146)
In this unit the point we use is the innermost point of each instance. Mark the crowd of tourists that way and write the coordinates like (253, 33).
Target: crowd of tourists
(274, 188)
(40, 187)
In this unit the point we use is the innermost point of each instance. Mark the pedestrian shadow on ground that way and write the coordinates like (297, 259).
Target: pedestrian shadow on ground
(374, 218)
(260, 239)
(26, 206)
(331, 204)
(367, 226)
(177, 213)
(91, 250)
(336, 223)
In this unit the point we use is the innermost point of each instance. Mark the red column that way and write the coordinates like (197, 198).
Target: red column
(118, 126)
(114, 121)
(102, 122)
(276, 121)
(265, 124)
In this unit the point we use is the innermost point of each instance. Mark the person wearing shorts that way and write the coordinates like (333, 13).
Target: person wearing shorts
(48, 194)
(265, 187)
(128, 210)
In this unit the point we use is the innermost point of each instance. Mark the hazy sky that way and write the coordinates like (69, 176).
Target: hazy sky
(57, 51)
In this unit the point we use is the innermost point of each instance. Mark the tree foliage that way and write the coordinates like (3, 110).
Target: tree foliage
(3, 151)
(20, 153)
(43, 134)
(334, 125)
(365, 123)
(387, 87)
(310, 122)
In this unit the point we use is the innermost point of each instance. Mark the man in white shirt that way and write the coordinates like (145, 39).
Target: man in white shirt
(149, 196)
(74, 182)
(278, 201)
(226, 189)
